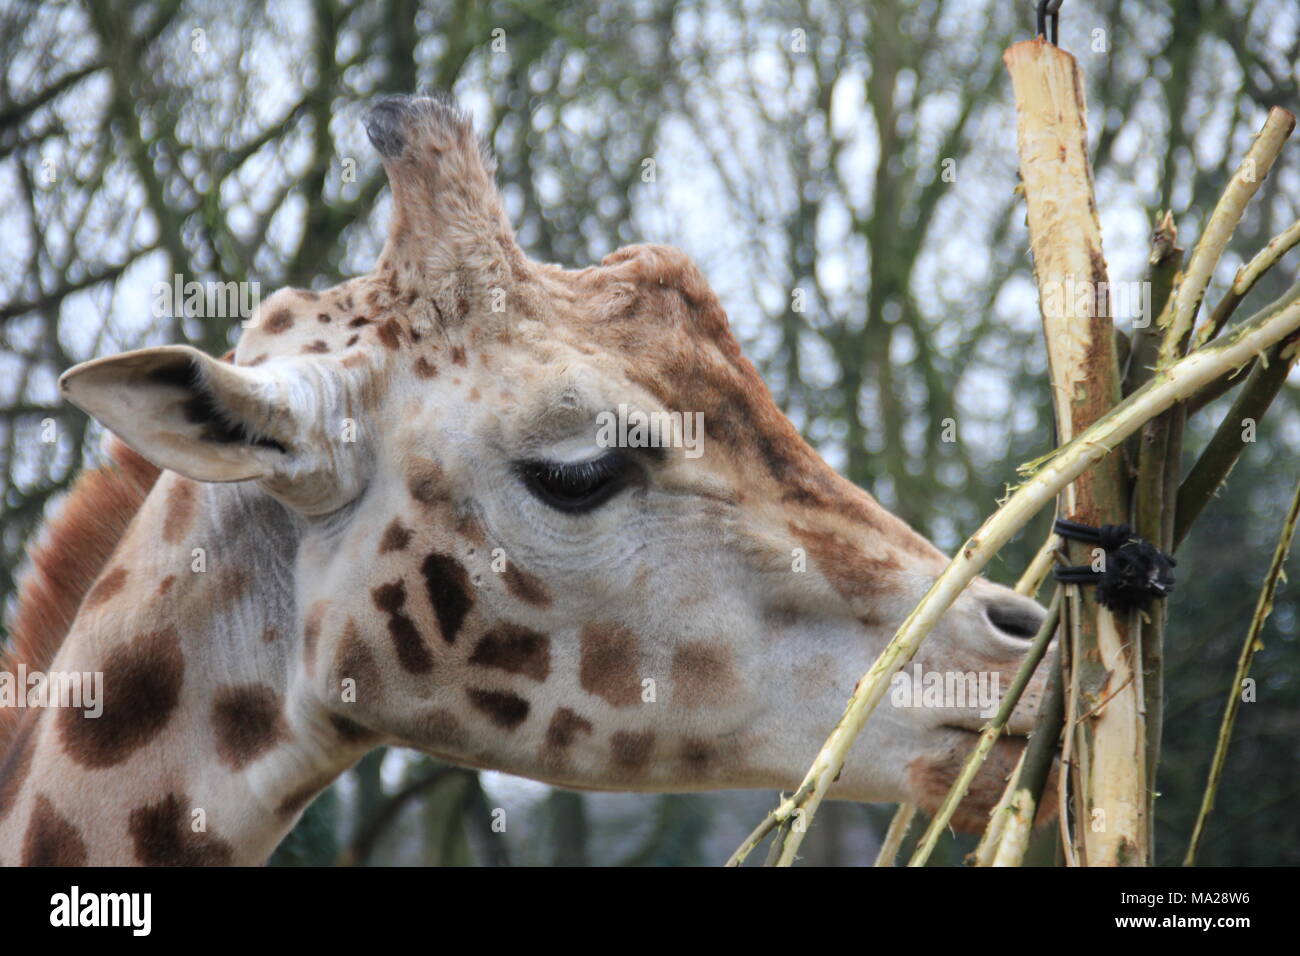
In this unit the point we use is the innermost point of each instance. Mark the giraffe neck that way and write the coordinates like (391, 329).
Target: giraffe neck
(210, 742)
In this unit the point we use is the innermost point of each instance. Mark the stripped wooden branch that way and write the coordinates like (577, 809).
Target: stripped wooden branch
(1246, 278)
(1074, 298)
(1039, 567)
(1030, 780)
(1237, 428)
(1158, 438)
(756, 836)
(1190, 290)
(1163, 263)
(898, 828)
(992, 836)
(1218, 388)
(1030, 581)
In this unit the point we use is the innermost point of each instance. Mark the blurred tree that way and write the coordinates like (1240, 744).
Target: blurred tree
(842, 173)
(314, 841)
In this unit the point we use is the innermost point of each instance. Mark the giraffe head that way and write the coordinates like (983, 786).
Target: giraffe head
(498, 562)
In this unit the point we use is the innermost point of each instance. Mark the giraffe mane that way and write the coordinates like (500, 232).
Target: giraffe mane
(74, 547)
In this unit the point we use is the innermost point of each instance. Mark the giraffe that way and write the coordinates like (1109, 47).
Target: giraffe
(385, 519)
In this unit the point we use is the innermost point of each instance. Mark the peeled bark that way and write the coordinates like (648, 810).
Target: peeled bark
(1105, 705)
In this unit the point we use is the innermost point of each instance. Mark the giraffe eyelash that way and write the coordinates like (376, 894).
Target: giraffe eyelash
(576, 487)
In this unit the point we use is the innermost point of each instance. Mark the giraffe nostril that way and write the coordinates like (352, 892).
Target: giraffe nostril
(1019, 619)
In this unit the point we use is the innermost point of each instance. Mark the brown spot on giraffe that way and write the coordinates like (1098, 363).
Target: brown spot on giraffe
(51, 839)
(702, 674)
(630, 750)
(390, 334)
(504, 709)
(448, 585)
(248, 722)
(162, 835)
(111, 583)
(318, 347)
(696, 755)
(565, 727)
(358, 322)
(526, 587)
(279, 321)
(354, 661)
(395, 537)
(165, 584)
(427, 484)
(608, 663)
(323, 318)
(144, 679)
(515, 650)
(424, 368)
(180, 510)
(458, 356)
(702, 759)
(471, 528)
(412, 652)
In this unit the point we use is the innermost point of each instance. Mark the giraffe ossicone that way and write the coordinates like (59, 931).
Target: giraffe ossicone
(412, 535)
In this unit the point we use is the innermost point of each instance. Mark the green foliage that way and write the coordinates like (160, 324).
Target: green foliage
(680, 824)
(314, 841)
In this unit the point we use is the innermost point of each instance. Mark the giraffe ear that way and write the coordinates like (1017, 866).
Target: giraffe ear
(186, 411)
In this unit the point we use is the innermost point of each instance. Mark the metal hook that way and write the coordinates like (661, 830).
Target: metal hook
(1052, 9)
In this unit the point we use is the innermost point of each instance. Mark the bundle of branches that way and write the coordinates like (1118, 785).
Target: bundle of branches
(1121, 407)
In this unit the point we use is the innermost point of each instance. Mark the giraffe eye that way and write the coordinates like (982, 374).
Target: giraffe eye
(576, 487)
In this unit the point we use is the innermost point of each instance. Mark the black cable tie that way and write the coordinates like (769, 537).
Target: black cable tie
(1049, 10)
(1134, 570)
